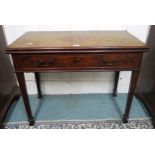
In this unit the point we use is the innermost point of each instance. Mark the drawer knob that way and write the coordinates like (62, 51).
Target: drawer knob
(41, 63)
(77, 60)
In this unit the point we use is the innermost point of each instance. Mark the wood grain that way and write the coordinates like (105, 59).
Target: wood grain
(76, 40)
(44, 62)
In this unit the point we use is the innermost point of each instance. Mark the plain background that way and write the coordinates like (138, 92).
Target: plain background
(66, 12)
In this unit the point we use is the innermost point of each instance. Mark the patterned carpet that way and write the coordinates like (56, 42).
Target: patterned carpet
(101, 124)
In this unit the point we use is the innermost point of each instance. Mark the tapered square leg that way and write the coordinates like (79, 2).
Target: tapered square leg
(22, 85)
(116, 83)
(133, 82)
(37, 77)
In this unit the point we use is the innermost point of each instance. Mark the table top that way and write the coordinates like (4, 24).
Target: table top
(58, 40)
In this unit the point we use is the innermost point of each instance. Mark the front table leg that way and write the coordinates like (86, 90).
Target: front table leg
(22, 85)
(133, 82)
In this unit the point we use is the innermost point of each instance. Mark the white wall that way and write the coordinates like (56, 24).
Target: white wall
(74, 83)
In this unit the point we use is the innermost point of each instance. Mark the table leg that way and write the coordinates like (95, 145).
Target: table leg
(116, 83)
(22, 85)
(37, 77)
(133, 82)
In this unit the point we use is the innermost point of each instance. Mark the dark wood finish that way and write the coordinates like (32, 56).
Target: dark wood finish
(37, 77)
(116, 83)
(77, 51)
(107, 61)
(145, 90)
(133, 82)
(8, 84)
(68, 40)
(22, 84)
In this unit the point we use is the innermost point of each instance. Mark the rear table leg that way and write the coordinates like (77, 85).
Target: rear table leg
(116, 83)
(37, 77)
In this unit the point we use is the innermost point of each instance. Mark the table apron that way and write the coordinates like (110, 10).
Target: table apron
(76, 62)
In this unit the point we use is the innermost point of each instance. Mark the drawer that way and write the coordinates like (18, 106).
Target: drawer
(59, 61)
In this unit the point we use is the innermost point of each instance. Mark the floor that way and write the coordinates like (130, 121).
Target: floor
(76, 107)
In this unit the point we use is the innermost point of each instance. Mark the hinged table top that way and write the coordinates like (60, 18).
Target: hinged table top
(58, 40)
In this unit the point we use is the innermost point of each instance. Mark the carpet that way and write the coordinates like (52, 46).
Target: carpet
(76, 107)
(81, 111)
(96, 124)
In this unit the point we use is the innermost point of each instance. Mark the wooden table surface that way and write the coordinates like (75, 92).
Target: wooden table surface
(76, 40)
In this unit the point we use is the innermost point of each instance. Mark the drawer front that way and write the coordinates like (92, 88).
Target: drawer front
(32, 62)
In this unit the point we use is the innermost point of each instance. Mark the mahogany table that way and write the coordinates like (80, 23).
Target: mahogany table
(65, 51)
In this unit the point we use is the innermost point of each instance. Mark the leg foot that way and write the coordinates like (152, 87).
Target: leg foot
(153, 121)
(114, 94)
(40, 96)
(125, 119)
(31, 122)
(17, 97)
